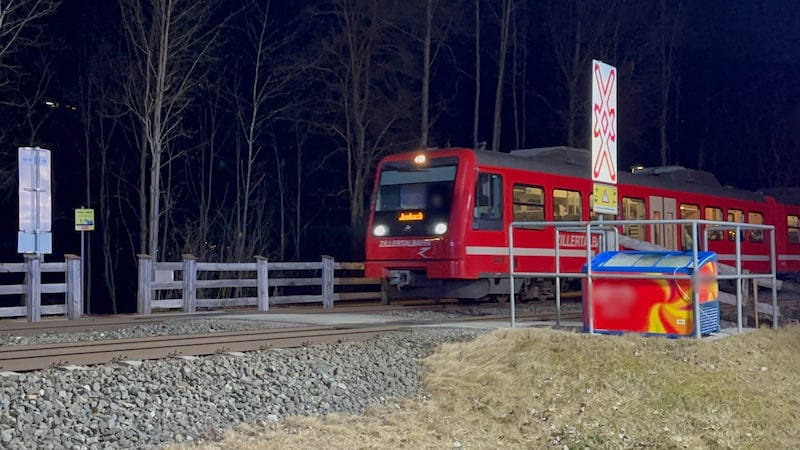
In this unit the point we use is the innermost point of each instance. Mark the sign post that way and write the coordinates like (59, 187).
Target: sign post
(84, 221)
(604, 138)
(35, 202)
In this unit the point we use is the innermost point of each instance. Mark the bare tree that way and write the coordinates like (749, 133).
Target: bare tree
(20, 28)
(505, 31)
(367, 94)
(257, 99)
(169, 41)
(301, 134)
(519, 71)
(575, 32)
(100, 112)
(477, 110)
(581, 31)
(573, 53)
(18, 18)
(29, 95)
(669, 32)
(433, 31)
(426, 75)
(199, 236)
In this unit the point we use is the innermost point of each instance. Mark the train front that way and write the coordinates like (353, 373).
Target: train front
(414, 222)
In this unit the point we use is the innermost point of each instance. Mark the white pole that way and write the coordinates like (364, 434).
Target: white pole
(37, 198)
(83, 290)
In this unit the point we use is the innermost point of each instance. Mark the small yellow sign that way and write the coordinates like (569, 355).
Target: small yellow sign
(404, 217)
(84, 219)
(605, 199)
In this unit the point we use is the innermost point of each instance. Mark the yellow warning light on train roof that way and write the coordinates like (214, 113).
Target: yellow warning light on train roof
(420, 159)
(404, 217)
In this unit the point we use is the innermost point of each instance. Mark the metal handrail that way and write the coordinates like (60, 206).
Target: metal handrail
(603, 226)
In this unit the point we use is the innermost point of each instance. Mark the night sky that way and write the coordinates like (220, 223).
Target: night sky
(732, 109)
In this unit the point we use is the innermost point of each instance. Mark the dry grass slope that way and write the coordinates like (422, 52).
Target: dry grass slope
(541, 388)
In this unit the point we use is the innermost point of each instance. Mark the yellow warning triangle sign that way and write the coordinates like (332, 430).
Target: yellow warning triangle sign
(605, 196)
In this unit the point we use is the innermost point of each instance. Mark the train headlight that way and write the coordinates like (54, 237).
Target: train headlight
(440, 228)
(380, 230)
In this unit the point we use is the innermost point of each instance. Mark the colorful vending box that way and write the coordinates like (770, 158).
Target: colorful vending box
(659, 306)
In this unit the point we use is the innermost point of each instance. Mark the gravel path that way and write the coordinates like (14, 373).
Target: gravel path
(458, 311)
(167, 328)
(118, 406)
(198, 326)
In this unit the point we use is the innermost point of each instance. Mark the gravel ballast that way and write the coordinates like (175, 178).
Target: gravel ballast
(462, 311)
(179, 400)
(166, 328)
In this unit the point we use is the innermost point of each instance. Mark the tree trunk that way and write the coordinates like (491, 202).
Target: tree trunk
(155, 202)
(514, 87)
(426, 76)
(574, 94)
(105, 227)
(298, 226)
(662, 136)
(476, 119)
(88, 117)
(357, 223)
(167, 213)
(524, 90)
(143, 223)
(282, 200)
(501, 69)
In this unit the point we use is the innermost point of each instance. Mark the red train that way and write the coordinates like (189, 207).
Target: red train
(438, 220)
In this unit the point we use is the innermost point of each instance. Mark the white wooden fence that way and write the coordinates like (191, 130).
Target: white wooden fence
(32, 288)
(260, 277)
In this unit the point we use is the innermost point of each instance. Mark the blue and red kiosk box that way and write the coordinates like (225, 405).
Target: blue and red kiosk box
(658, 306)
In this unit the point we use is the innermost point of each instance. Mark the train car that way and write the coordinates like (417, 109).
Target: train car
(786, 218)
(438, 221)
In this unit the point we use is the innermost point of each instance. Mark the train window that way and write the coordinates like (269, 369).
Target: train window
(793, 223)
(488, 212)
(735, 215)
(566, 205)
(528, 204)
(714, 214)
(633, 209)
(758, 219)
(688, 212)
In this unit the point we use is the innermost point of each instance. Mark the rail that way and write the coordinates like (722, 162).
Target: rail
(267, 283)
(609, 228)
(32, 288)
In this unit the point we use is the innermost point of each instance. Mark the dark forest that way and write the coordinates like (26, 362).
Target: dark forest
(233, 129)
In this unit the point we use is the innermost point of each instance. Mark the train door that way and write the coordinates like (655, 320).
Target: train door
(665, 235)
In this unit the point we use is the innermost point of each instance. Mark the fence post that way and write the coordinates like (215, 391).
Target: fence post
(327, 281)
(262, 274)
(189, 283)
(144, 298)
(33, 288)
(74, 291)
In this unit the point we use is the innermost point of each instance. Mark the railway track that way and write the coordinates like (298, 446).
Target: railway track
(23, 358)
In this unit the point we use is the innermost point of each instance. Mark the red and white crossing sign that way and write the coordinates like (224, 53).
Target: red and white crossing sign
(604, 123)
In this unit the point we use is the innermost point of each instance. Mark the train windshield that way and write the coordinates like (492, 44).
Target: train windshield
(410, 186)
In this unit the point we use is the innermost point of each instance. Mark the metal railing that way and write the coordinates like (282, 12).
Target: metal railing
(606, 227)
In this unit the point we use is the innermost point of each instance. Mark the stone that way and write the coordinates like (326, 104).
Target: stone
(131, 363)
(105, 407)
